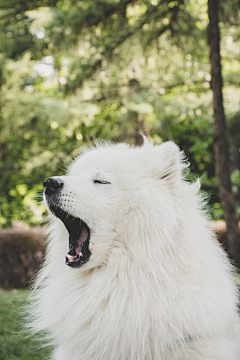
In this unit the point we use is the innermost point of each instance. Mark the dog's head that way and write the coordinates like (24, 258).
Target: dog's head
(108, 193)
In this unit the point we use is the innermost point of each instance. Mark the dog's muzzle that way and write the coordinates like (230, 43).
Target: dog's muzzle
(79, 232)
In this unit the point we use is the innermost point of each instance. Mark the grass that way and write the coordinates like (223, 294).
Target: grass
(14, 344)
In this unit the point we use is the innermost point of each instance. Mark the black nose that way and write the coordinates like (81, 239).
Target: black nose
(52, 185)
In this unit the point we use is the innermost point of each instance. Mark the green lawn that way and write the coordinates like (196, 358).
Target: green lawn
(13, 342)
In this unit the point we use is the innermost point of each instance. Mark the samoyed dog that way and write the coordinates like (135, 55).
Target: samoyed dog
(132, 270)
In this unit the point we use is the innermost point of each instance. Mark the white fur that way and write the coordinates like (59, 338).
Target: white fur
(158, 286)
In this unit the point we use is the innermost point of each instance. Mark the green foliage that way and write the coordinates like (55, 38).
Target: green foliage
(14, 343)
(74, 70)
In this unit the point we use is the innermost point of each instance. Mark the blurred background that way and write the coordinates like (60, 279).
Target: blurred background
(72, 71)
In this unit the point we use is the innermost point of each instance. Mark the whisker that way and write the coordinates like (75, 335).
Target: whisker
(62, 168)
(24, 212)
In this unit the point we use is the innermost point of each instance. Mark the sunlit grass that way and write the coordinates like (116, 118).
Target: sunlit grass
(14, 344)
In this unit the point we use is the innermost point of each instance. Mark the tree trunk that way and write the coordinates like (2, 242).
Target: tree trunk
(140, 128)
(220, 141)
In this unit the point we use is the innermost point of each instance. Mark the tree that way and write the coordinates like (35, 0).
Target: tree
(220, 141)
(74, 70)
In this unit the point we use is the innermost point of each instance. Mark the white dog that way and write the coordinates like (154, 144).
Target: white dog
(132, 270)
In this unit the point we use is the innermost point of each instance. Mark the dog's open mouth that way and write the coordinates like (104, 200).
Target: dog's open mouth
(79, 236)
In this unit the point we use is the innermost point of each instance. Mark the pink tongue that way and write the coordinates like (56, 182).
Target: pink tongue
(82, 238)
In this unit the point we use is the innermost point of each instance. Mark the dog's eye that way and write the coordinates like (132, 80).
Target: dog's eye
(101, 182)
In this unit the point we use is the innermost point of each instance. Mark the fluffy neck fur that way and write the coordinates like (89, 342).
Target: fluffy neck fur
(136, 306)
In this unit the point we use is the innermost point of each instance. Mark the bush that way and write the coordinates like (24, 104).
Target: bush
(21, 253)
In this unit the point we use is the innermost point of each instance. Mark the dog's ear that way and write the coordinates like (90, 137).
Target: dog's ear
(170, 159)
